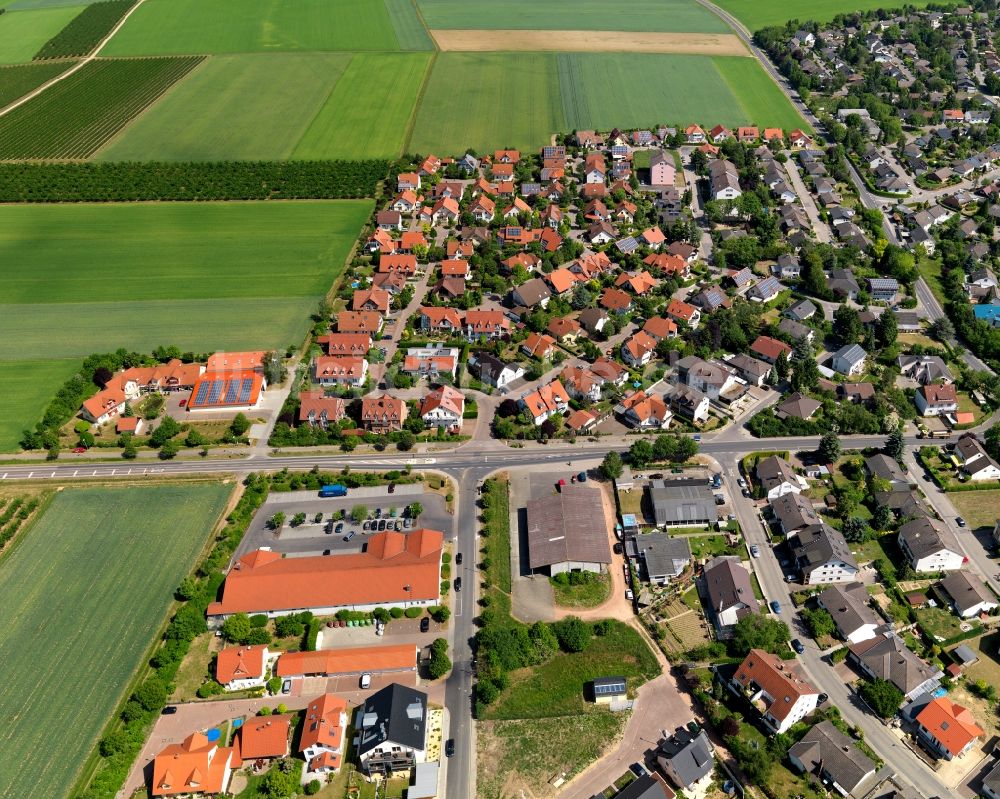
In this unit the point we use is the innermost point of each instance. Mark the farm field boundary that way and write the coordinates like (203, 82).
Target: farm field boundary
(17, 81)
(66, 570)
(23, 32)
(86, 30)
(757, 14)
(723, 44)
(74, 117)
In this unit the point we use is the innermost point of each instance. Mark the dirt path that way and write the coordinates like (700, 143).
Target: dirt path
(590, 42)
(75, 68)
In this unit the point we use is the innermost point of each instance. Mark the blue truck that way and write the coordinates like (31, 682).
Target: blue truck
(333, 491)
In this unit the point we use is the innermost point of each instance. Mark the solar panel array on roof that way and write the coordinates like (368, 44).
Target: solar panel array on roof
(199, 393)
(605, 688)
(232, 389)
(245, 389)
(213, 395)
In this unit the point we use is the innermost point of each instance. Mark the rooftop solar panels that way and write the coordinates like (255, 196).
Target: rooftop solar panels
(221, 390)
(232, 390)
(213, 395)
(245, 388)
(199, 393)
(605, 686)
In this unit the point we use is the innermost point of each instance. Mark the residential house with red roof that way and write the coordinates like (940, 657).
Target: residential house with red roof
(443, 407)
(615, 300)
(356, 344)
(383, 414)
(439, 320)
(407, 181)
(321, 742)
(406, 202)
(776, 689)
(769, 349)
(582, 383)
(483, 324)
(693, 134)
(340, 370)
(402, 262)
(565, 330)
(681, 311)
(638, 349)
(371, 299)
(645, 411)
(317, 409)
(538, 345)
(947, 728)
(594, 169)
(936, 399)
(483, 209)
(430, 362)
(411, 239)
(264, 738)
(367, 323)
(640, 283)
(562, 280)
(240, 668)
(194, 767)
(659, 328)
(545, 401)
(670, 265)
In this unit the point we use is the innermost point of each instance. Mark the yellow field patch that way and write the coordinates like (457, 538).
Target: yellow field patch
(480, 41)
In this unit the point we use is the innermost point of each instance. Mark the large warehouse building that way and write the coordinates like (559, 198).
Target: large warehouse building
(568, 532)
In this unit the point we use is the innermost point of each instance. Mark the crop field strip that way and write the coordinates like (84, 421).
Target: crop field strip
(245, 107)
(574, 41)
(16, 81)
(85, 593)
(521, 99)
(73, 118)
(175, 27)
(672, 16)
(410, 31)
(85, 31)
(29, 5)
(23, 32)
(757, 14)
(79, 278)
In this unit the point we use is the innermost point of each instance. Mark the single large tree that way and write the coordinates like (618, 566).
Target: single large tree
(894, 444)
(829, 447)
(611, 466)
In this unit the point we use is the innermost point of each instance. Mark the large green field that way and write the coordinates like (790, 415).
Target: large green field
(757, 14)
(23, 32)
(249, 106)
(26, 388)
(680, 16)
(521, 99)
(17, 81)
(368, 113)
(76, 279)
(248, 26)
(83, 596)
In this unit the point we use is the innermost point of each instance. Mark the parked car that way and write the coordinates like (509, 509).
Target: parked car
(776, 606)
(458, 584)
(366, 680)
(628, 594)
(746, 492)
(286, 686)
(169, 710)
(382, 524)
(399, 525)
(797, 646)
(638, 769)
(754, 551)
(378, 513)
(392, 488)
(741, 482)
(366, 525)
(339, 528)
(449, 747)
(960, 521)
(407, 524)
(327, 551)
(425, 624)
(697, 437)
(617, 547)
(350, 535)
(79, 450)
(458, 559)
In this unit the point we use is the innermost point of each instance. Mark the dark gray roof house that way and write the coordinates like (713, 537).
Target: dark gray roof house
(886, 657)
(396, 716)
(800, 311)
(749, 368)
(683, 502)
(823, 556)
(685, 757)
(848, 606)
(648, 786)
(827, 753)
(798, 406)
(887, 468)
(793, 512)
(730, 594)
(795, 330)
(664, 556)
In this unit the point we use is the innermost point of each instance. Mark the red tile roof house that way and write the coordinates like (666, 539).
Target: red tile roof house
(562, 280)
(748, 134)
(445, 209)
(564, 330)
(196, 766)
(694, 134)
(371, 300)
(407, 264)
(318, 410)
(538, 345)
(456, 268)
(580, 382)
(430, 362)
(775, 688)
(395, 570)
(239, 668)
(322, 739)
(340, 370)
(363, 322)
(659, 328)
(443, 407)
(615, 300)
(440, 320)
(949, 730)
(668, 265)
(411, 239)
(346, 343)
(406, 202)
(348, 662)
(936, 399)
(483, 209)
(488, 325)
(684, 312)
(639, 283)
(262, 738)
(383, 414)
(645, 411)
(769, 349)
(719, 134)
(407, 180)
(380, 241)
(638, 350)
(129, 424)
(545, 401)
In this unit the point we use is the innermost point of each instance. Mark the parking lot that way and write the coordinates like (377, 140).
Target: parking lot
(313, 538)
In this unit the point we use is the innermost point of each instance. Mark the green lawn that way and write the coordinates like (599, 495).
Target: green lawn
(254, 26)
(27, 387)
(22, 33)
(588, 594)
(83, 595)
(368, 113)
(246, 107)
(83, 278)
(678, 16)
(759, 97)
(17, 81)
(939, 624)
(556, 688)
(756, 14)
(978, 508)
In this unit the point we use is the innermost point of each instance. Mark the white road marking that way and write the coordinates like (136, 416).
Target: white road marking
(29, 474)
(75, 471)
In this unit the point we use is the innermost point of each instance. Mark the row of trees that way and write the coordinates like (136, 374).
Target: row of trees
(226, 180)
